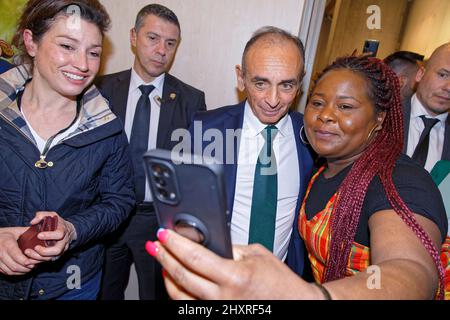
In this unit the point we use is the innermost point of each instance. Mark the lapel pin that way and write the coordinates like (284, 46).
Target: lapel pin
(158, 100)
(172, 96)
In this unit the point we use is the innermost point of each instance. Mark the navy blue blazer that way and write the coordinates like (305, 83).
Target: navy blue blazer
(232, 117)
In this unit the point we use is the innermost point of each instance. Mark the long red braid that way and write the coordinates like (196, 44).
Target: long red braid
(378, 159)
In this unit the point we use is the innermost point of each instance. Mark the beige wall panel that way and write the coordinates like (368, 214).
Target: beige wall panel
(214, 33)
(428, 26)
(347, 30)
(352, 30)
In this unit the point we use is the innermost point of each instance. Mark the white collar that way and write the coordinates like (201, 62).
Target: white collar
(137, 81)
(417, 110)
(255, 126)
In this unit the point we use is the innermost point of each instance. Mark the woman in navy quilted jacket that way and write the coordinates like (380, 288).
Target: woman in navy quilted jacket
(63, 153)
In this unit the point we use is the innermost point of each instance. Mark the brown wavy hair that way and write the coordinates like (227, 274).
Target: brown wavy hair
(39, 15)
(378, 159)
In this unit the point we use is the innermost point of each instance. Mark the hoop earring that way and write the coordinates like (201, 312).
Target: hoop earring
(371, 132)
(303, 139)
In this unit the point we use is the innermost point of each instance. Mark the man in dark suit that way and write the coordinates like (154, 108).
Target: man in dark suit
(427, 125)
(266, 165)
(151, 104)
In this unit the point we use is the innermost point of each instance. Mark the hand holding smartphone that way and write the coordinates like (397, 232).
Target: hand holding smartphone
(189, 198)
(371, 47)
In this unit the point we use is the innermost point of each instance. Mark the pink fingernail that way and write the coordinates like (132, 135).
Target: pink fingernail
(164, 273)
(151, 248)
(162, 235)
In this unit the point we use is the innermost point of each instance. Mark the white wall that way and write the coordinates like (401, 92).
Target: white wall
(214, 33)
(428, 26)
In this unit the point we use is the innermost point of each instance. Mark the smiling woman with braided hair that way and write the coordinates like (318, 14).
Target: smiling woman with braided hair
(369, 205)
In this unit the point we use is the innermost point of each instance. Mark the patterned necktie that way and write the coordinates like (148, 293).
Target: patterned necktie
(421, 152)
(265, 193)
(139, 139)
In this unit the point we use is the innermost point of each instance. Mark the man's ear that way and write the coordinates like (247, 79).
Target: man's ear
(403, 80)
(240, 78)
(133, 37)
(29, 43)
(419, 74)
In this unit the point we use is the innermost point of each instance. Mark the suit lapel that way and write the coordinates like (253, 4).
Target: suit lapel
(296, 249)
(120, 95)
(234, 121)
(406, 119)
(446, 149)
(169, 103)
(298, 143)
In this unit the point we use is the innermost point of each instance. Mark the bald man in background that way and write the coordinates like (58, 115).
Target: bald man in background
(427, 125)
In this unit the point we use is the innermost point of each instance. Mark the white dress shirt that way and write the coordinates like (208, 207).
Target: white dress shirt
(134, 93)
(285, 150)
(416, 127)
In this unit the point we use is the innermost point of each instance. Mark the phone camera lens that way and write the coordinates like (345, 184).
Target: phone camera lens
(157, 170)
(160, 182)
(164, 194)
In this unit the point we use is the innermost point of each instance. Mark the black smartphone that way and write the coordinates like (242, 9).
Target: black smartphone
(371, 46)
(189, 198)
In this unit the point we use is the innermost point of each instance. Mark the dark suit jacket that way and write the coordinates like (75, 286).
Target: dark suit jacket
(407, 116)
(176, 112)
(232, 117)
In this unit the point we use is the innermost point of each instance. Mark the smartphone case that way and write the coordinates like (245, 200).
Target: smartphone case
(200, 197)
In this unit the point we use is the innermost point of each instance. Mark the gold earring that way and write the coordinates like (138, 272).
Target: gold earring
(372, 131)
